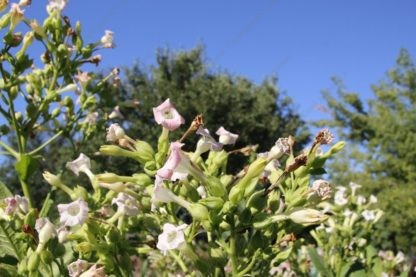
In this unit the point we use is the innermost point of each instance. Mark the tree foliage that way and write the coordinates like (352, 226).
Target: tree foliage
(259, 113)
(382, 156)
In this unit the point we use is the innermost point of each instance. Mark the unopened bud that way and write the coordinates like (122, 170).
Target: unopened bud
(308, 217)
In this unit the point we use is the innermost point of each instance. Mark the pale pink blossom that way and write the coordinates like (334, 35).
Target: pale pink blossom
(75, 269)
(81, 164)
(75, 213)
(15, 204)
(177, 164)
(171, 238)
(83, 78)
(91, 118)
(166, 115)
(226, 137)
(115, 132)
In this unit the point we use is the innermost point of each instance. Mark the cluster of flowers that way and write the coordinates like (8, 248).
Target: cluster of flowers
(168, 166)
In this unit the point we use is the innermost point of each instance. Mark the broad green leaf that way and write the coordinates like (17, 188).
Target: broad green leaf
(318, 263)
(25, 166)
(7, 270)
(4, 191)
(8, 244)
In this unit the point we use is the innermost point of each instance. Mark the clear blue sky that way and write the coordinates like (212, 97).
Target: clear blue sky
(304, 43)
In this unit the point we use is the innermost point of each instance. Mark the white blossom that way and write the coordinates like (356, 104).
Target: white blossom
(172, 237)
(81, 164)
(340, 198)
(115, 132)
(226, 137)
(369, 215)
(108, 39)
(75, 213)
(126, 204)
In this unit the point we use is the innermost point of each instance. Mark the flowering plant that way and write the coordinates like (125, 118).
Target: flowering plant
(182, 212)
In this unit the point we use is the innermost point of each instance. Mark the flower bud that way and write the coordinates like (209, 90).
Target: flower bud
(253, 172)
(215, 187)
(212, 202)
(46, 231)
(46, 256)
(84, 247)
(3, 4)
(198, 211)
(144, 151)
(16, 16)
(33, 263)
(308, 217)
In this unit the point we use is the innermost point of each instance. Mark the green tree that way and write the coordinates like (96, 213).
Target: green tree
(381, 155)
(259, 113)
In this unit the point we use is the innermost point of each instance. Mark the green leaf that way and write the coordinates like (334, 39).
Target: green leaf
(317, 171)
(47, 204)
(26, 166)
(318, 263)
(4, 191)
(7, 270)
(8, 244)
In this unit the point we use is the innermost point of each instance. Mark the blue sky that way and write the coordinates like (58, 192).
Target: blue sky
(304, 43)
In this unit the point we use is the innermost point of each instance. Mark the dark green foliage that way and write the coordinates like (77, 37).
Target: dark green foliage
(258, 113)
(382, 154)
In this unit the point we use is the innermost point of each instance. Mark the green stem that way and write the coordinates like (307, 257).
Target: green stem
(10, 150)
(250, 265)
(179, 261)
(26, 192)
(15, 125)
(46, 143)
(232, 250)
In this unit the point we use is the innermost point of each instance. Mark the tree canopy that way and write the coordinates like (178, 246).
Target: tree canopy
(382, 154)
(259, 113)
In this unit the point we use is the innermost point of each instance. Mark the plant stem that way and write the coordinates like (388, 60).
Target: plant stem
(232, 250)
(46, 143)
(10, 150)
(26, 192)
(179, 261)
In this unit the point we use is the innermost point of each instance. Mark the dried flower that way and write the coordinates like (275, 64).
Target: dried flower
(94, 271)
(324, 136)
(322, 188)
(76, 268)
